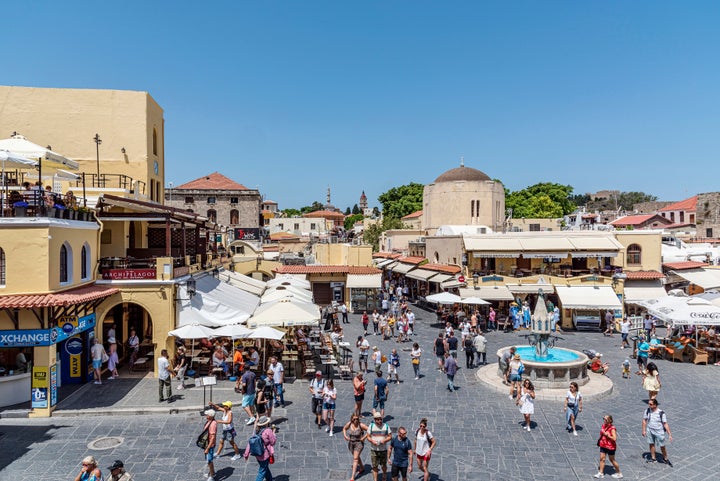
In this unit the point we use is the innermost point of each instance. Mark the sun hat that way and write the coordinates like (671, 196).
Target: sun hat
(263, 421)
(227, 404)
(377, 415)
(116, 465)
(517, 356)
(210, 412)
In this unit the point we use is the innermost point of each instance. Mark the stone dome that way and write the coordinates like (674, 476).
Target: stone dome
(463, 173)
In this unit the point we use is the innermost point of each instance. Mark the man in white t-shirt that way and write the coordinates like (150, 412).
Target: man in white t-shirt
(343, 311)
(411, 322)
(164, 377)
(364, 346)
(278, 379)
(624, 332)
(96, 353)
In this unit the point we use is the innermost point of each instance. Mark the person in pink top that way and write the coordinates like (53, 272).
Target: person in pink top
(268, 456)
(608, 444)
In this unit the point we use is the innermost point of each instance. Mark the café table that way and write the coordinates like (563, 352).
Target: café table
(714, 351)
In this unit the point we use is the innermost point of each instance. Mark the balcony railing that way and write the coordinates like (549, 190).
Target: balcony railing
(142, 265)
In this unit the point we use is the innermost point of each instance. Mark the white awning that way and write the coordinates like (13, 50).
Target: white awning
(542, 255)
(488, 293)
(705, 278)
(364, 281)
(452, 282)
(585, 254)
(637, 291)
(440, 278)
(241, 281)
(596, 243)
(384, 262)
(588, 297)
(492, 244)
(547, 244)
(530, 288)
(401, 268)
(420, 274)
(215, 303)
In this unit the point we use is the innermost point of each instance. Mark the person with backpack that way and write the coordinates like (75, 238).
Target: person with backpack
(207, 441)
(262, 445)
(393, 365)
(439, 348)
(379, 435)
(228, 429)
(656, 425)
(317, 386)
(424, 444)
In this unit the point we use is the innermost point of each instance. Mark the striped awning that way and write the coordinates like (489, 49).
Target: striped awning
(401, 268)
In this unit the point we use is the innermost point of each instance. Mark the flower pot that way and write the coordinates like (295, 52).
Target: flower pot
(20, 211)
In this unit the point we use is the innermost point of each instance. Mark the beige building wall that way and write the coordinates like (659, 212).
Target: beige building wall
(32, 253)
(396, 240)
(530, 225)
(68, 119)
(343, 254)
(445, 249)
(650, 243)
(449, 203)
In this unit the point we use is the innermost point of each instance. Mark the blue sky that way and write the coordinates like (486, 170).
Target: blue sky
(294, 96)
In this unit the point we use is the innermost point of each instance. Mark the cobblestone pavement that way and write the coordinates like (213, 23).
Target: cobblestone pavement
(478, 430)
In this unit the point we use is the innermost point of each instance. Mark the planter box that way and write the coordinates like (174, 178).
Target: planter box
(20, 211)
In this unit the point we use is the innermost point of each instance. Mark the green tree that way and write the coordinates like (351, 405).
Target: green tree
(401, 201)
(372, 233)
(356, 209)
(580, 200)
(291, 212)
(541, 200)
(351, 220)
(627, 200)
(312, 208)
(347, 211)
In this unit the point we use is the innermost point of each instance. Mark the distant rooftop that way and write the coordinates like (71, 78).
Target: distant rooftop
(214, 181)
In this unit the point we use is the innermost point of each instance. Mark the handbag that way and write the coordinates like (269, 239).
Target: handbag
(105, 357)
(415, 360)
(203, 439)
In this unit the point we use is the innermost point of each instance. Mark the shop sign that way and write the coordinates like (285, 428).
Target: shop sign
(45, 337)
(53, 385)
(40, 376)
(74, 347)
(129, 274)
(39, 397)
(337, 284)
(491, 279)
(250, 233)
(39, 384)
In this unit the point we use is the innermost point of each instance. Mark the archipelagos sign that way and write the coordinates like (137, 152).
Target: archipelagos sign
(129, 274)
(47, 337)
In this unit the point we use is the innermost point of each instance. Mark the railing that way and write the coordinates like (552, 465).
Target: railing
(112, 181)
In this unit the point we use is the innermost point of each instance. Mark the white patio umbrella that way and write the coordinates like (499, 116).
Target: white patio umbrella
(14, 161)
(275, 295)
(192, 331)
(443, 298)
(289, 280)
(285, 312)
(235, 331)
(474, 300)
(265, 332)
(686, 311)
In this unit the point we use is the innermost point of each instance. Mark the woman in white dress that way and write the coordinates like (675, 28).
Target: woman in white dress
(526, 401)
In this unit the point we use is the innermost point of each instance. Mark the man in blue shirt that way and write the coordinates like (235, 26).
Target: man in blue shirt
(381, 394)
(643, 351)
(401, 454)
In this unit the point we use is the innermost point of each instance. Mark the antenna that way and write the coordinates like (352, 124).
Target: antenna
(462, 161)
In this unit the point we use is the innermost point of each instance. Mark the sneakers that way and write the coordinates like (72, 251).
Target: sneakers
(210, 478)
(417, 378)
(236, 457)
(651, 460)
(599, 475)
(97, 382)
(331, 434)
(667, 461)
(181, 387)
(617, 476)
(327, 429)
(527, 428)
(574, 433)
(111, 377)
(510, 397)
(250, 421)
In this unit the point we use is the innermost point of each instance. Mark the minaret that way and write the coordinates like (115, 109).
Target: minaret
(328, 195)
(363, 201)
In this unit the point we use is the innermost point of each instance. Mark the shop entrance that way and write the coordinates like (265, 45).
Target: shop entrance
(124, 318)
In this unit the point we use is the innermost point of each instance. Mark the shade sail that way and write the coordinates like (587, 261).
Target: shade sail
(246, 283)
(489, 293)
(215, 303)
(443, 298)
(588, 297)
(637, 291)
(285, 312)
(420, 274)
(401, 268)
(705, 278)
(367, 281)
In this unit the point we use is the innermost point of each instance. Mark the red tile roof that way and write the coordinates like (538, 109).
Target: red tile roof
(633, 219)
(269, 248)
(644, 275)
(683, 265)
(326, 270)
(327, 214)
(214, 181)
(442, 268)
(414, 215)
(411, 260)
(387, 255)
(282, 235)
(687, 205)
(64, 299)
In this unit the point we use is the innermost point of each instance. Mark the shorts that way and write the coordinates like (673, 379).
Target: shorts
(359, 398)
(228, 434)
(423, 457)
(642, 361)
(657, 439)
(392, 369)
(441, 357)
(610, 452)
(378, 403)
(395, 470)
(317, 405)
(97, 364)
(624, 336)
(378, 458)
(363, 358)
(248, 400)
(515, 378)
(210, 455)
(328, 406)
(261, 408)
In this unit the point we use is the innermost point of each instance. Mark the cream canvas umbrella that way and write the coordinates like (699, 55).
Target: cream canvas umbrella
(289, 280)
(13, 160)
(192, 331)
(285, 312)
(443, 298)
(474, 300)
(275, 295)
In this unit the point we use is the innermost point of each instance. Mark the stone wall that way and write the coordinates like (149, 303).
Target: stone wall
(246, 202)
(708, 214)
(650, 207)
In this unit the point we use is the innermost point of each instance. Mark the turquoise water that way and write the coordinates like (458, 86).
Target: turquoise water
(554, 355)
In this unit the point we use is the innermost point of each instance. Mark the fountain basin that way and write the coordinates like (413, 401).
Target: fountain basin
(557, 370)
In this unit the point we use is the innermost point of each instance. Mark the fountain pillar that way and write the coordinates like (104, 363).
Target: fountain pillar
(541, 327)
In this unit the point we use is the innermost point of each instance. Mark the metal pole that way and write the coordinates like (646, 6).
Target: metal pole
(84, 195)
(97, 153)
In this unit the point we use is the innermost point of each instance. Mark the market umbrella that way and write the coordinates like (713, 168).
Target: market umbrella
(285, 312)
(474, 300)
(685, 311)
(192, 331)
(289, 280)
(275, 295)
(443, 298)
(234, 331)
(265, 332)
(15, 161)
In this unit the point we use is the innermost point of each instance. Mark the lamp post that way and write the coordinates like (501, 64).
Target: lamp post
(170, 187)
(97, 155)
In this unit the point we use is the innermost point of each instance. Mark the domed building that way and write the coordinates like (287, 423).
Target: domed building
(463, 196)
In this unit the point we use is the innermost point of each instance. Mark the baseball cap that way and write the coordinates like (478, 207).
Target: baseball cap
(117, 464)
(210, 412)
(227, 404)
(318, 373)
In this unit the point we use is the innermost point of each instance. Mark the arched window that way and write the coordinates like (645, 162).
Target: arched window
(155, 142)
(234, 217)
(2, 267)
(212, 215)
(63, 264)
(85, 262)
(634, 254)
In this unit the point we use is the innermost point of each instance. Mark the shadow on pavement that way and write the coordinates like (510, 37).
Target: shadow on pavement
(16, 439)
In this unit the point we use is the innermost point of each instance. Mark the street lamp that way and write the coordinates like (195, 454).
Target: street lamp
(170, 187)
(97, 155)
